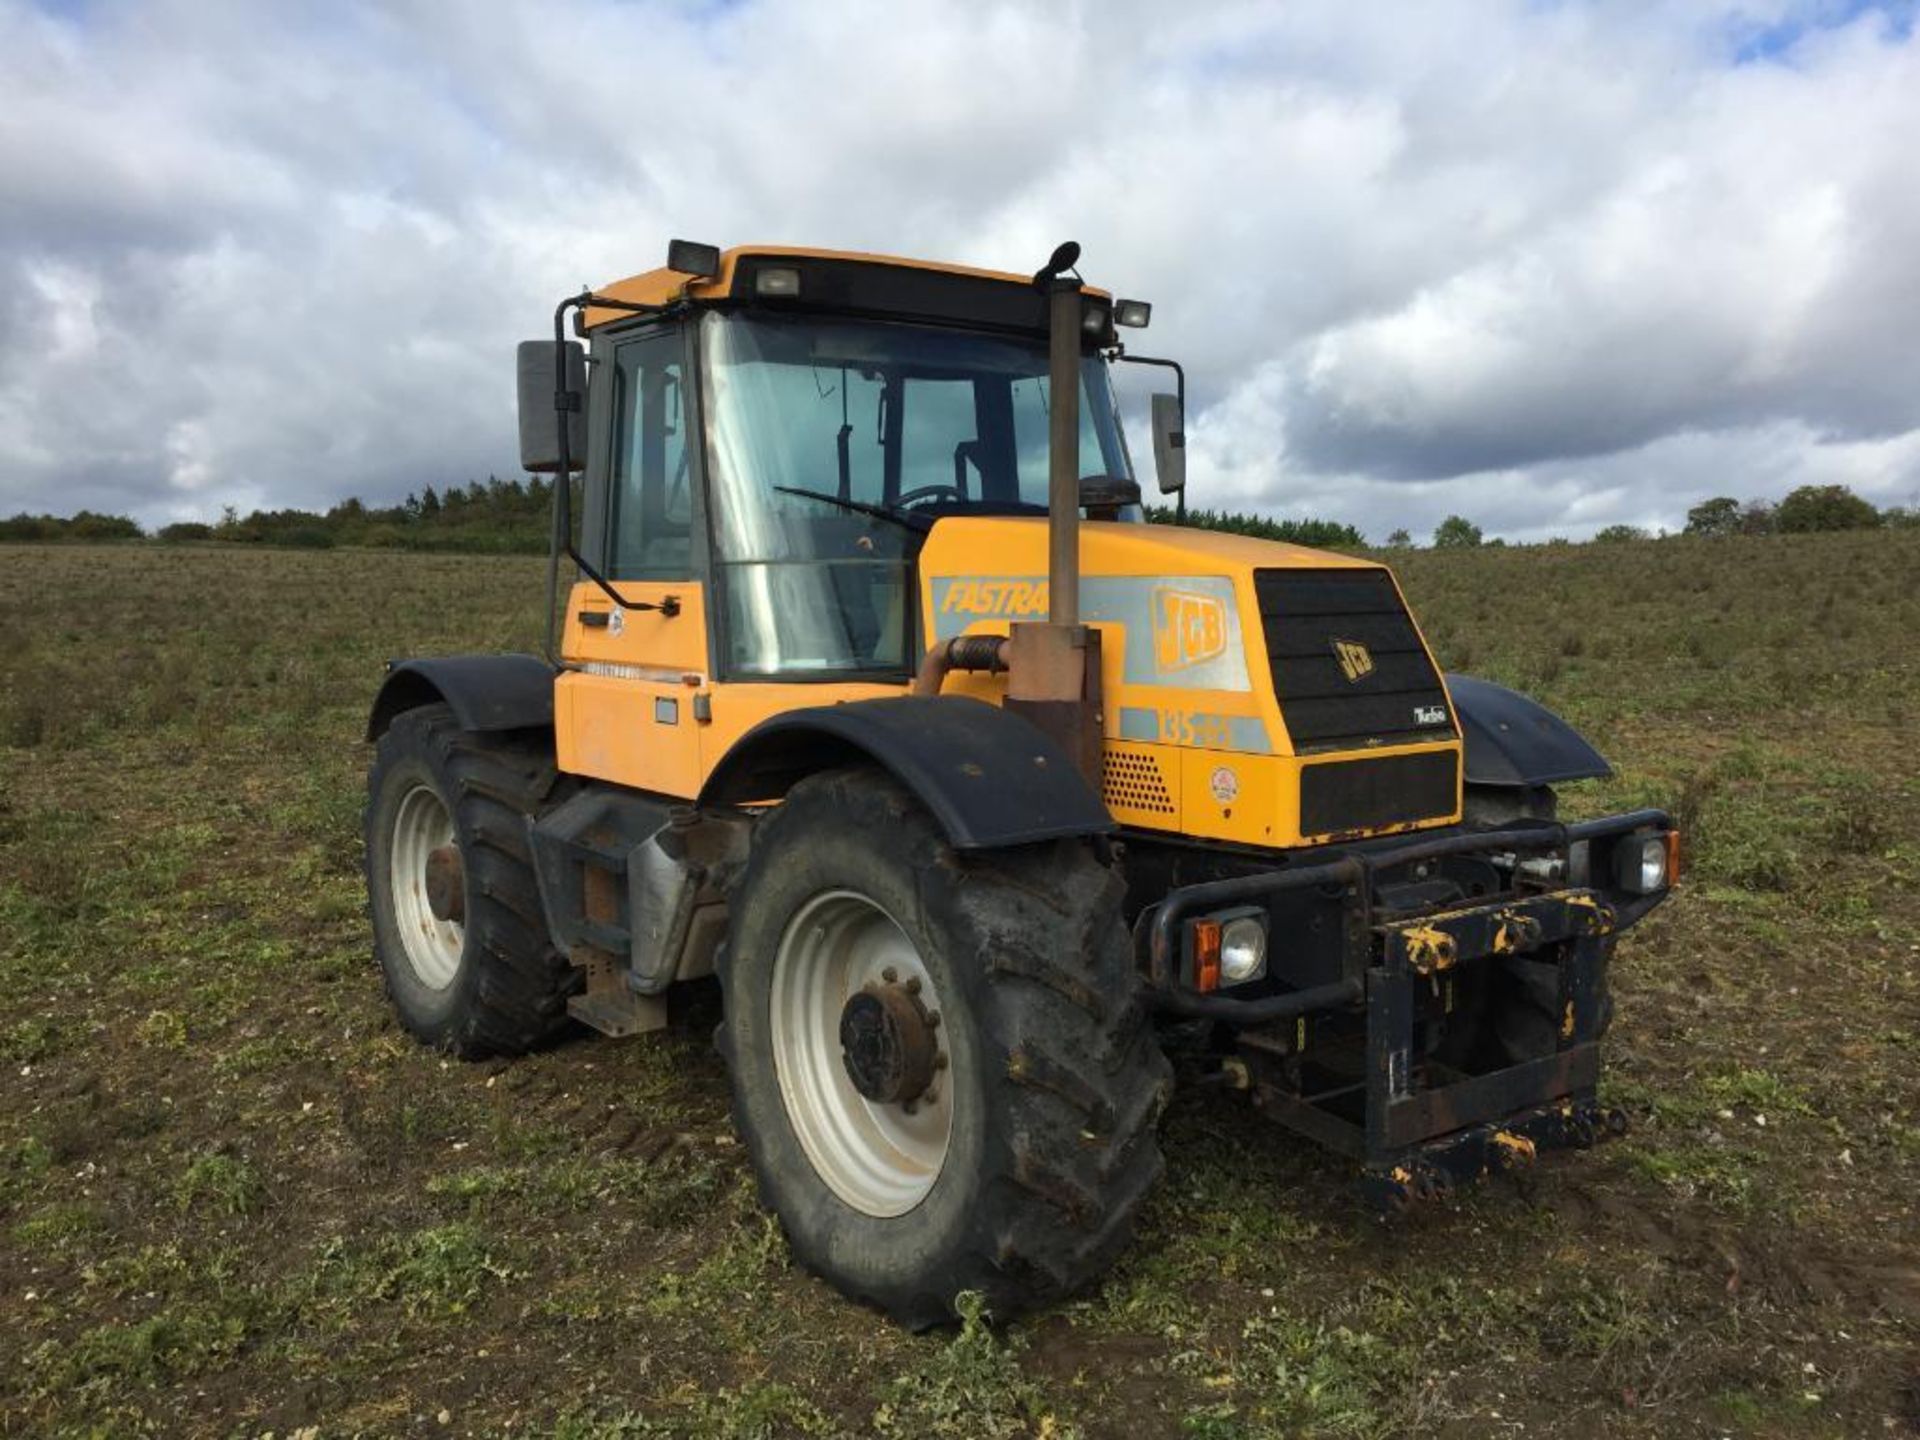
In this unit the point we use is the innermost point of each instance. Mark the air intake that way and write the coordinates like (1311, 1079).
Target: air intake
(1348, 667)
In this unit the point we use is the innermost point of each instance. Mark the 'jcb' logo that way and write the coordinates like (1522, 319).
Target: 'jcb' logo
(1356, 661)
(1188, 629)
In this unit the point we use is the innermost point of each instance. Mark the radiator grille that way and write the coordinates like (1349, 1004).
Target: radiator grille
(1337, 796)
(1131, 780)
(1309, 619)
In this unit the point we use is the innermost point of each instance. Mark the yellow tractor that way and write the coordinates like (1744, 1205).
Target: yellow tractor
(876, 698)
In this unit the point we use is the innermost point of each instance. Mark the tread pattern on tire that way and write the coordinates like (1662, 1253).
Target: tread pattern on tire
(1077, 1083)
(516, 997)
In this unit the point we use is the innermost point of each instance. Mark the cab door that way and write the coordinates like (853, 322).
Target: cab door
(624, 708)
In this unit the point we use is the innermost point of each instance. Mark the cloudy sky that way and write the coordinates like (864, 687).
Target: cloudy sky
(1550, 265)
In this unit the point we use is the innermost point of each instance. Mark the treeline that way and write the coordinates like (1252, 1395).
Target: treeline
(1320, 534)
(495, 515)
(515, 516)
(1804, 511)
(84, 526)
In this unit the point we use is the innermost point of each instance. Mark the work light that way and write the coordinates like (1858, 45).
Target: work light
(1134, 314)
(690, 257)
(780, 281)
(1243, 949)
(1640, 863)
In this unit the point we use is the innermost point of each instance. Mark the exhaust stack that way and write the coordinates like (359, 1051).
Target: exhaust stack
(1064, 312)
(1053, 669)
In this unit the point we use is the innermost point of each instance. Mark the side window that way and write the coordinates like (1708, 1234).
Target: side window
(650, 520)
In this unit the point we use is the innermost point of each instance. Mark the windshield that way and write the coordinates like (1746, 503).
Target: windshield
(832, 443)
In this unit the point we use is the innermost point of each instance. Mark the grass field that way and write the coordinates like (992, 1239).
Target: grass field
(234, 1198)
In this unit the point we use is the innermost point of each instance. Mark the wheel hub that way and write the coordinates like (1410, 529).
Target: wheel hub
(887, 1042)
(446, 884)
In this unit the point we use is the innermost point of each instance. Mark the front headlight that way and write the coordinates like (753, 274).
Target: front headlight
(1243, 950)
(1640, 864)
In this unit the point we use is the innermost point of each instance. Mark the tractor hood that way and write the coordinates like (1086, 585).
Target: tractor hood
(1230, 664)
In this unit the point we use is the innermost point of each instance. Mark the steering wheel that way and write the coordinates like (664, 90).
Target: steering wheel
(933, 492)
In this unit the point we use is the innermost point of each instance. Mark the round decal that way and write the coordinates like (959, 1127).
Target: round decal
(1226, 785)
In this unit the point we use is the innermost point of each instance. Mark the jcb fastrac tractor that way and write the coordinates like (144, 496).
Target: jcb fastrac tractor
(876, 698)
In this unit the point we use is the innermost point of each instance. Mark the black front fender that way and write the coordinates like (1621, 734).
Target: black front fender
(1511, 740)
(986, 775)
(485, 692)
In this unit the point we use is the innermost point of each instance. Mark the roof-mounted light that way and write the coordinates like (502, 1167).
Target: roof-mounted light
(1095, 320)
(1134, 314)
(688, 257)
(778, 282)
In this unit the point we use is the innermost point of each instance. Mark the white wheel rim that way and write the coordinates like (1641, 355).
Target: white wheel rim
(422, 825)
(879, 1158)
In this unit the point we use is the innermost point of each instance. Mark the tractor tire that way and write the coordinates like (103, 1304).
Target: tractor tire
(866, 956)
(483, 978)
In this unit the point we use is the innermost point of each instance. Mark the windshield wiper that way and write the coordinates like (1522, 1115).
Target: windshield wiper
(919, 524)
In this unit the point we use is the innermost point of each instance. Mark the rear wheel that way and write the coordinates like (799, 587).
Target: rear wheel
(940, 1067)
(457, 923)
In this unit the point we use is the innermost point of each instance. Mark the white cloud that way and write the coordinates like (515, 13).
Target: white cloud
(1551, 266)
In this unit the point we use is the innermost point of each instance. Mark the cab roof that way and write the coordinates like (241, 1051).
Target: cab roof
(664, 286)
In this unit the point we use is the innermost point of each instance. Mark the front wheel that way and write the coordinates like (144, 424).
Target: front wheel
(939, 1064)
(457, 924)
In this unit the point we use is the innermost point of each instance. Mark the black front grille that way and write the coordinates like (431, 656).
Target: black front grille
(1308, 616)
(1341, 795)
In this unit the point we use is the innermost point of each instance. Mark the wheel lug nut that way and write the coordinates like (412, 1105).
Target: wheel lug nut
(939, 1062)
(890, 974)
(933, 1018)
(913, 985)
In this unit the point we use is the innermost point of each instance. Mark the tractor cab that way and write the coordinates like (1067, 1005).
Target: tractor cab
(793, 461)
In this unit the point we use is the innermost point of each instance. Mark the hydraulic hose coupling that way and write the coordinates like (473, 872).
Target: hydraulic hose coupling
(962, 652)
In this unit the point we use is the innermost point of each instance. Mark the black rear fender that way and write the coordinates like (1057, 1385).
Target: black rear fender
(986, 775)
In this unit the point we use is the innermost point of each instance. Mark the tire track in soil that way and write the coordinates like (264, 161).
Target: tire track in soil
(1795, 1271)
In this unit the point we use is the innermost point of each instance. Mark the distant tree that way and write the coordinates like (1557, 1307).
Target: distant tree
(1901, 517)
(1824, 507)
(1718, 516)
(182, 530)
(1756, 518)
(1399, 540)
(29, 527)
(90, 525)
(429, 503)
(1456, 532)
(1617, 534)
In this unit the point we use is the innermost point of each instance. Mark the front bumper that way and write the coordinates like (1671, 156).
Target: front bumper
(1415, 1125)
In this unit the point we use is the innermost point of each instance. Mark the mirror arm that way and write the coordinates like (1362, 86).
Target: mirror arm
(1180, 388)
(566, 402)
(1179, 372)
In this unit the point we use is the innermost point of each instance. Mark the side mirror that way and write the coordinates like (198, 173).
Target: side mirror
(1169, 443)
(538, 363)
